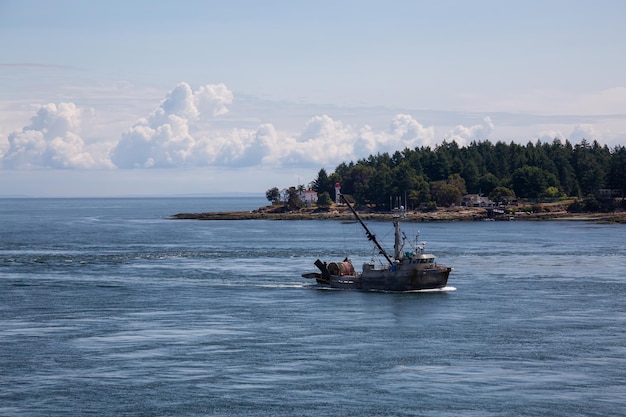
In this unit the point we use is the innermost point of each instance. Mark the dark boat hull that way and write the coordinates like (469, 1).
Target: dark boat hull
(387, 280)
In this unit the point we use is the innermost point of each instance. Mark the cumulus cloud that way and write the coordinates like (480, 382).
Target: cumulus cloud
(463, 135)
(549, 135)
(404, 132)
(212, 99)
(583, 131)
(180, 133)
(577, 134)
(325, 141)
(321, 141)
(238, 148)
(171, 137)
(164, 138)
(175, 135)
(51, 140)
(194, 128)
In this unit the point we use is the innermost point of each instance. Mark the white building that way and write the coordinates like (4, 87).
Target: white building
(308, 197)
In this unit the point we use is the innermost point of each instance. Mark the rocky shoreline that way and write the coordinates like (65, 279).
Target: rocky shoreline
(439, 215)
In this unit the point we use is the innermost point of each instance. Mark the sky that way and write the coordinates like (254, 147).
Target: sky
(144, 98)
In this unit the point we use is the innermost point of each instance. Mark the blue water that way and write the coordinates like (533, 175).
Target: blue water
(107, 307)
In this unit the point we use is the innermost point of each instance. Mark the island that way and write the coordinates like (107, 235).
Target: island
(534, 212)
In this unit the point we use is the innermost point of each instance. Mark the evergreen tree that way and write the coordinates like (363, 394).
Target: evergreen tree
(324, 200)
(531, 181)
(561, 154)
(457, 181)
(322, 183)
(488, 183)
(501, 194)
(379, 187)
(589, 171)
(293, 199)
(445, 194)
(471, 176)
(273, 194)
(617, 169)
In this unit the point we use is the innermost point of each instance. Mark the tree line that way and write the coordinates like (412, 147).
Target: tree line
(427, 177)
(440, 176)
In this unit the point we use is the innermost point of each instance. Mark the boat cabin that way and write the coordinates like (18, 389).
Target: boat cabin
(418, 258)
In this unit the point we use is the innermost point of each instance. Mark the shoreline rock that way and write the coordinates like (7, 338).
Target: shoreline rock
(440, 215)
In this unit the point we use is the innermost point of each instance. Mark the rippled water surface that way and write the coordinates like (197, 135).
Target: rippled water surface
(107, 307)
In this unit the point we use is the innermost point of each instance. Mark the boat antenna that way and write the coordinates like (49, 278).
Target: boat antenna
(369, 234)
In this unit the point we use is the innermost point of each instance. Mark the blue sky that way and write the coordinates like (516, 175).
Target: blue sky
(144, 98)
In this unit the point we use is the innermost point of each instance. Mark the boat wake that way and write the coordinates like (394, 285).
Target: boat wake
(444, 289)
(432, 290)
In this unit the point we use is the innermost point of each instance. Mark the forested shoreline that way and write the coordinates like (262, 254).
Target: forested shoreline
(438, 177)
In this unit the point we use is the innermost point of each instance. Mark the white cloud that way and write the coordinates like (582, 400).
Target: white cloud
(548, 136)
(178, 133)
(144, 146)
(579, 132)
(325, 141)
(164, 138)
(463, 135)
(259, 148)
(51, 140)
(212, 99)
(583, 131)
(237, 148)
(403, 132)
(196, 129)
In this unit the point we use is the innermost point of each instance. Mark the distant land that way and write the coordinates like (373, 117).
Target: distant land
(550, 211)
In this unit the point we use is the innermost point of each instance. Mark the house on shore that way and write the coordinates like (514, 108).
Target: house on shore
(476, 200)
(308, 197)
(610, 193)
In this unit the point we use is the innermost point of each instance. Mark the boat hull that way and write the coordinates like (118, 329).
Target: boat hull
(388, 280)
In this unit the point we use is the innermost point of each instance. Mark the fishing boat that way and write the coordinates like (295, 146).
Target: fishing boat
(410, 269)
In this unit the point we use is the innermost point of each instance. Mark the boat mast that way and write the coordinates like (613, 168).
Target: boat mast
(369, 234)
(398, 244)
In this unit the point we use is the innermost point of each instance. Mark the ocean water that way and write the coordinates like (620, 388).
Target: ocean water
(108, 307)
